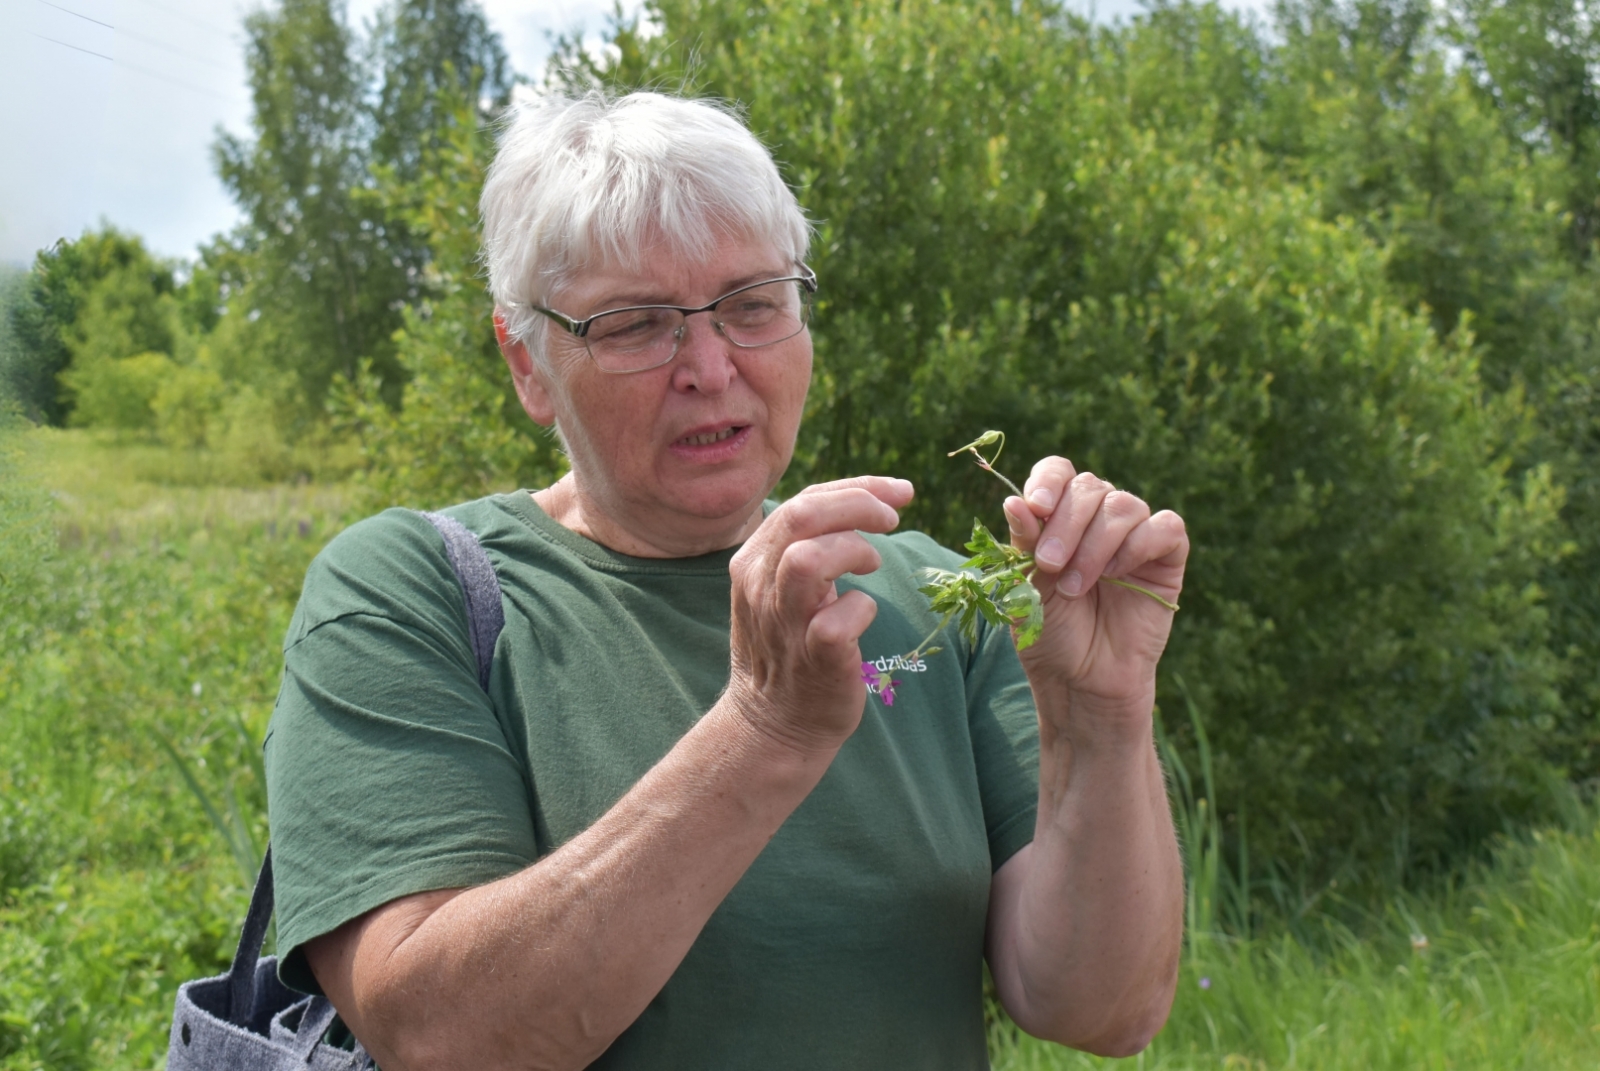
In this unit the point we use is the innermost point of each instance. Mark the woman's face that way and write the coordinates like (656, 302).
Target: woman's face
(679, 457)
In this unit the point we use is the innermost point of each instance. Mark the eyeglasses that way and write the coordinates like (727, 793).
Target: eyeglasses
(641, 337)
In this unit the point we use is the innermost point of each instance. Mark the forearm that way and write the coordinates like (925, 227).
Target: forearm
(546, 967)
(1086, 950)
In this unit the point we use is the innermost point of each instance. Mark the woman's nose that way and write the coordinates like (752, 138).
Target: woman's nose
(704, 360)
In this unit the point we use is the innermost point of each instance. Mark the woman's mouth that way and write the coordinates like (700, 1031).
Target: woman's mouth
(713, 445)
(710, 437)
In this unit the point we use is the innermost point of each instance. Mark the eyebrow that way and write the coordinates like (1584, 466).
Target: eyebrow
(627, 298)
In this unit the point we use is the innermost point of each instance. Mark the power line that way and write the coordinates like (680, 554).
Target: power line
(176, 51)
(75, 48)
(80, 15)
(134, 67)
(214, 95)
(138, 37)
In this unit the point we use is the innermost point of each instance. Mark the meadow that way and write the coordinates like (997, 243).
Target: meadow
(142, 612)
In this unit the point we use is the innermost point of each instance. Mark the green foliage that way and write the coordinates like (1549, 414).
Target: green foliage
(155, 613)
(459, 431)
(436, 57)
(102, 295)
(13, 358)
(1535, 60)
(1498, 970)
(1033, 224)
(322, 269)
(146, 615)
(991, 585)
(318, 269)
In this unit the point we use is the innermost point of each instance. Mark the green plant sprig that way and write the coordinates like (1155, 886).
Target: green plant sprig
(995, 583)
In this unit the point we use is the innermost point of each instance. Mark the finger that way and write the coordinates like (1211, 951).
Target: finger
(890, 490)
(1047, 481)
(1059, 540)
(817, 512)
(834, 633)
(1119, 514)
(807, 570)
(1025, 526)
(1156, 550)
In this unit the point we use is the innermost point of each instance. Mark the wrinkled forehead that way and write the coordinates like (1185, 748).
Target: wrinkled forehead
(661, 266)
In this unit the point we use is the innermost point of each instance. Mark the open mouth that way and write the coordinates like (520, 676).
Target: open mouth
(711, 437)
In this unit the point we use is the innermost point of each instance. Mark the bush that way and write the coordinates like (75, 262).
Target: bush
(118, 393)
(1031, 224)
(459, 431)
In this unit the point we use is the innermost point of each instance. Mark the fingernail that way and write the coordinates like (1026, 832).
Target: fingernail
(904, 485)
(1071, 585)
(1051, 554)
(1042, 498)
(1015, 508)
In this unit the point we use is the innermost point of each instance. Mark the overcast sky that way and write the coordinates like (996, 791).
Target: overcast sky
(108, 108)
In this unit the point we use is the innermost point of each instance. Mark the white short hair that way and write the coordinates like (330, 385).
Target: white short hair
(596, 180)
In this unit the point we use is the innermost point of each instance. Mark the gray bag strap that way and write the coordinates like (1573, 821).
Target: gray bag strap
(479, 584)
(242, 974)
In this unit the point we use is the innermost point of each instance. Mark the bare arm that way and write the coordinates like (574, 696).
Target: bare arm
(1086, 923)
(545, 968)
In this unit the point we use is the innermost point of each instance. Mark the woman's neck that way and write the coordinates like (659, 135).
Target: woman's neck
(567, 505)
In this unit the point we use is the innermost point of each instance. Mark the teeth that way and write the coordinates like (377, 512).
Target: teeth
(707, 440)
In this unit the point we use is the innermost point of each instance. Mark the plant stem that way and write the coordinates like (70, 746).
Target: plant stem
(1030, 566)
(1142, 591)
(917, 651)
(987, 465)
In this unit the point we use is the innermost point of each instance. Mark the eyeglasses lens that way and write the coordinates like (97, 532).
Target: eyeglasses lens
(632, 340)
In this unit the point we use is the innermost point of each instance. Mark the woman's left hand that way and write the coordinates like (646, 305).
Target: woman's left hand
(1100, 641)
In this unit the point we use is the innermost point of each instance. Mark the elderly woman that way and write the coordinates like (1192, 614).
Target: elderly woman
(676, 830)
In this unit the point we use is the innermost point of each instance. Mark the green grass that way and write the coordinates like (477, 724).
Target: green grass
(135, 608)
(156, 615)
(1509, 978)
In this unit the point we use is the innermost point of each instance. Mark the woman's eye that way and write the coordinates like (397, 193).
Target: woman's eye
(746, 308)
(626, 326)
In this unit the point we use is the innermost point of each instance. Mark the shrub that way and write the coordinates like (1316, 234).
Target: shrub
(1018, 229)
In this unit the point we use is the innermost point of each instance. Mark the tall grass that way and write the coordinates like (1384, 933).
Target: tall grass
(1497, 968)
(146, 627)
(140, 624)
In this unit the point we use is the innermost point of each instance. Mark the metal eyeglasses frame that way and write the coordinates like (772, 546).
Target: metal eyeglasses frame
(580, 328)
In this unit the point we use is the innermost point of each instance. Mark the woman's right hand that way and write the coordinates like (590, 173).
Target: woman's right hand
(796, 656)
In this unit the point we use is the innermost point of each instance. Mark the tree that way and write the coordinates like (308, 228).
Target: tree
(1536, 60)
(319, 270)
(51, 317)
(321, 266)
(431, 53)
(459, 431)
(1034, 224)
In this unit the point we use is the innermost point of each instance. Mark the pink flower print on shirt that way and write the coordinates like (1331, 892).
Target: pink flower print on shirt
(880, 682)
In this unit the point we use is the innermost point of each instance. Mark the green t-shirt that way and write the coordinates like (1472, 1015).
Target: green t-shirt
(854, 940)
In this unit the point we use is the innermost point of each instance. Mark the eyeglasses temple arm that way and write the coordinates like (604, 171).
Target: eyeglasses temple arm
(579, 328)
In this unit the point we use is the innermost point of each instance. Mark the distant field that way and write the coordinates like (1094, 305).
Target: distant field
(155, 618)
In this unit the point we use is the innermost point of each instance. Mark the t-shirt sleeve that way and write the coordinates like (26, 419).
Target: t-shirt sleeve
(1005, 743)
(388, 770)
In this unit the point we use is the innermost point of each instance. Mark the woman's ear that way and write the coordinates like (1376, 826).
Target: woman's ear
(526, 375)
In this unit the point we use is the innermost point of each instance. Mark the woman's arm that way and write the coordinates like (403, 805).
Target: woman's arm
(545, 968)
(1086, 923)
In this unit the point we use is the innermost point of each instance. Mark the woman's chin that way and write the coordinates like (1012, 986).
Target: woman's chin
(722, 499)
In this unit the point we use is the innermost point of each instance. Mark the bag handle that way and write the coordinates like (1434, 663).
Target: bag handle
(314, 1023)
(242, 975)
(479, 585)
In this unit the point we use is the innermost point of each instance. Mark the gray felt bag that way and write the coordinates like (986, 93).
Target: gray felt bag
(247, 1020)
